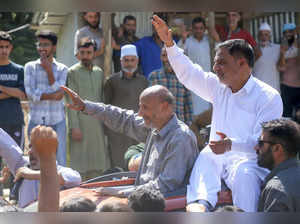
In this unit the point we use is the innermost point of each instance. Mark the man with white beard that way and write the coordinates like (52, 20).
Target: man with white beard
(123, 89)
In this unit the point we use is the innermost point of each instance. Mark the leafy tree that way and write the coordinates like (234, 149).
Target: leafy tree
(23, 40)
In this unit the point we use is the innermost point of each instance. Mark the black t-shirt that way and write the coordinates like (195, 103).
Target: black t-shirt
(11, 75)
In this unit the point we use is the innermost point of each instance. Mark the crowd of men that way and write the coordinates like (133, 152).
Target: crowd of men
(161, 85)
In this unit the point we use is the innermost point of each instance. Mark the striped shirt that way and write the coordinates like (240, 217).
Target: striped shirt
(48, 112)
(183, 98)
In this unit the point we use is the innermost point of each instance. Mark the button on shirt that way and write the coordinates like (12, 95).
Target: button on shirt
(169, 154)
(239, 115)
(36, 83)
(13, 156)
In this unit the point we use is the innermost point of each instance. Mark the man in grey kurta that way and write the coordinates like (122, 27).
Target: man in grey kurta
(88, 152)
(277, 150)
(171, 147)
(123, 89)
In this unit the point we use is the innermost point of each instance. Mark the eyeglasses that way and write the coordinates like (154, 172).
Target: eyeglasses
(42, 45)
(260, 143)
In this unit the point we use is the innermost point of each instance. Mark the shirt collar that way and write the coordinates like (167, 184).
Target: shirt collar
(282, 166)
(248, 86)
(172, 123)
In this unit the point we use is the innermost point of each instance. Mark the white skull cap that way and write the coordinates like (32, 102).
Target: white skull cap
(265, 26)
(128, 50)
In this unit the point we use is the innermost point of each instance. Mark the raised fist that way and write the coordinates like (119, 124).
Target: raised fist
(44, 141)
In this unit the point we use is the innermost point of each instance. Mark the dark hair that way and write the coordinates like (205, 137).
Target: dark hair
(285, 132)
(239, 48)
(146, 199)
(5, 36)
(113, 205)
(198, 20)
(78, 204)
(128, 17)
(84, 13)
(229, 208)
(87, 42)
(47, 34)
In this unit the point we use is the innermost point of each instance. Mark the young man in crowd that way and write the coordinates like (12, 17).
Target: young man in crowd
(42, 80)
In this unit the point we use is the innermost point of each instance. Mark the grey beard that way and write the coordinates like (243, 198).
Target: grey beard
(129, 70)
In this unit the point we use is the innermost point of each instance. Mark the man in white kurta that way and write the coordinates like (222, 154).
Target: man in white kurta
(240, 104)
(197, 48)
(265, 68)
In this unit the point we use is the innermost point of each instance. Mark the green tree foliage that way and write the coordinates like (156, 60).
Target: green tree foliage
(23, 40)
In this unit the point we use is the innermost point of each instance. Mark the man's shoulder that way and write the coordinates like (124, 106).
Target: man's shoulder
(115, 76)
(96, 68)
(32, 63)
(265, 90)
(60, 65)
(74, 67)
(16, 66)
(182, 131)
(156, 73)
(83, 29)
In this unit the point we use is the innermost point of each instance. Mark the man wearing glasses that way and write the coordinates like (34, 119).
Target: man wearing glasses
(42, 80)
(277, 149)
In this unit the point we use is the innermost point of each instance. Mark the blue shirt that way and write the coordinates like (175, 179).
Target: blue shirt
(149, 55)
(11, 75)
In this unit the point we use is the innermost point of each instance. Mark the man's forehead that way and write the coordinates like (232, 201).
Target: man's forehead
(92, 14)
(129, 57)
(90, 48)
(4, 43)
(221, 53)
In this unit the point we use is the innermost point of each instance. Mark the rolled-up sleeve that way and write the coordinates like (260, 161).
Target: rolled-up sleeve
(33, 93)
(60, 79)
(71, 177)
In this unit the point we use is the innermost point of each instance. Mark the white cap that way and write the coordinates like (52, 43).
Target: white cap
(128, 50)
(265, 26)
(178, 21)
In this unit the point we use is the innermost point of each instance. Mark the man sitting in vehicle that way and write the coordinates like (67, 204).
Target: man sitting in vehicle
(170, 146)
(28, 172)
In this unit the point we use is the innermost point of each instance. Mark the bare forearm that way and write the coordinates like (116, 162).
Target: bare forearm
(14, 92)
(4, 96)
(47, 96)
(49, 187)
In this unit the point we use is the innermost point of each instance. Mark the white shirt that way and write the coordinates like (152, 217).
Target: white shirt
(238, 115)
(265, 68)
(13, 156)
(199, 53)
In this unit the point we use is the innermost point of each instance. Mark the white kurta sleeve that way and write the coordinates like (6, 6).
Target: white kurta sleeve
(192, 76)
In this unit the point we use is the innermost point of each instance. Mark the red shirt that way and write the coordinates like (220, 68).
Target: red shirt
(239, 34)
